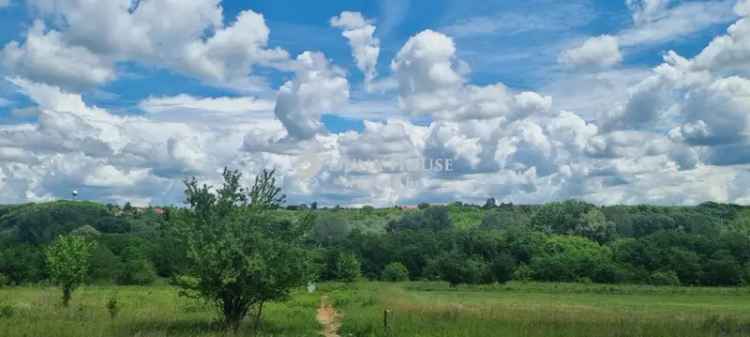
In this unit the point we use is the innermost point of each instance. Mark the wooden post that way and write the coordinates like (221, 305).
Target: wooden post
(387, 317)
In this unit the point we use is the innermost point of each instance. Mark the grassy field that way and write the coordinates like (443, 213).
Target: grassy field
(418, 309)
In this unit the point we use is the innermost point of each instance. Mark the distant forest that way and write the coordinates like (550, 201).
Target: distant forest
(571, 241)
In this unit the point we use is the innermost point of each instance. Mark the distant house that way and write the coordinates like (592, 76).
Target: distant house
(409, 207)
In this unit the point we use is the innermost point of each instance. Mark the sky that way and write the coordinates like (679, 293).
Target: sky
(382, 103)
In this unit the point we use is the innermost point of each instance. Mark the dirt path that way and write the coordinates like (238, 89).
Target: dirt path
(328, 318)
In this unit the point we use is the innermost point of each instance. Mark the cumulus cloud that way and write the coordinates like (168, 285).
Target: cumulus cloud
(44, 56)
(365, 47)
(599, 51)
(432, 82)
(90, 37)
(677, 133)
(317, 88)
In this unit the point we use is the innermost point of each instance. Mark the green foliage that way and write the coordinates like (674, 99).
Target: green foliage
(704, 245)
(435, 218)
(501, 268)
(395, 272)
(330, 228)
(22, 263)
(239, 254)
(7, 310)
(41, 223)
(457, 268)
(136, 271)
(104, 265)
(568, 258)
(523, 273)
(504, 218)
(68, 261)
(343, 267)
(113, 306)
(664, 278)
(4, 280)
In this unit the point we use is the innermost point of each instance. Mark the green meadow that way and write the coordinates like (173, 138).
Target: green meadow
(416, 309)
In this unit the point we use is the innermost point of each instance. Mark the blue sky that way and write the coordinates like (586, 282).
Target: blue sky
(547, 97)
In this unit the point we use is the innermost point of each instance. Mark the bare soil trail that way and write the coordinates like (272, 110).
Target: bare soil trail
(328, 318)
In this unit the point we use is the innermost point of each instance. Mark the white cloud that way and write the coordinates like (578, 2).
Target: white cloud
(220, 104)
(599, 51)
(317, 88)
(728, 53)
(647, 10)
(365, 47)
(44, 56)
(88, 38)
(658, 21)
(431, 82)
(230, 53)
(675, 134)
(742, 8)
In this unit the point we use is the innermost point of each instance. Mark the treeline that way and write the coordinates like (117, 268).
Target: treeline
(570, 241)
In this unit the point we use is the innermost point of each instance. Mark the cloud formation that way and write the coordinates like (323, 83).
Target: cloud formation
(596, 51)
(365, 46)
(676, 133)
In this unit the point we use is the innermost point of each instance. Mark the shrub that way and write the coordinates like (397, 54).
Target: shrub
(664, 278)
(113, 306)
(4, 280)
(138, 271)
(458, 269)
(347, 267)
(523, 273)
(502, 268)
(395, 272)
(6, 310)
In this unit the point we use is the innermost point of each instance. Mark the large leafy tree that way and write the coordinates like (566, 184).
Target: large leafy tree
(68, 261)
(240, 254)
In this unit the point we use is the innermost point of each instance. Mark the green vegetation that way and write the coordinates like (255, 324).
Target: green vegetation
(238, 252)
(419, 309)
(67, 259)
(239, 255)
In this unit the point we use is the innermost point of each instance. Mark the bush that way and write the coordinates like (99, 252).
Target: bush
(136, 272)
(502, 268)
(113, 306)
(523, 273)
(395, 272)
(4, 280)
(6, 310)
(664, 278)
(343, 267)
(459, 269)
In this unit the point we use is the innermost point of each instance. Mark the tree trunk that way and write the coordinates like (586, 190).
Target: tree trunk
(66, 296)
(258, 316)
(234, 311)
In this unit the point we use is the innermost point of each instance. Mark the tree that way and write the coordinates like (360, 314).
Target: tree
(501, 268)
(594, 225)
(136, 269)
(457, 268)
(241, 254)
(395, 272)
(330, 229)
(490, 203)
(341, 266)
(68, 261)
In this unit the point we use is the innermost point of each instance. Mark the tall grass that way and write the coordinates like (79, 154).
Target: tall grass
(544, 310)
(425, 309)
